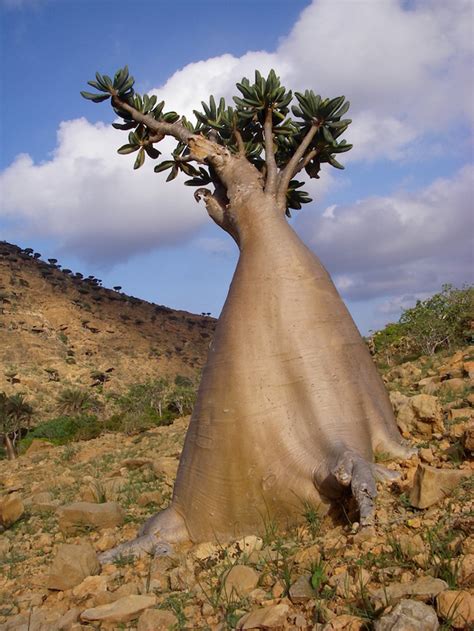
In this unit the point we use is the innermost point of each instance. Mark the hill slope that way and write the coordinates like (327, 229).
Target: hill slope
(58, 329)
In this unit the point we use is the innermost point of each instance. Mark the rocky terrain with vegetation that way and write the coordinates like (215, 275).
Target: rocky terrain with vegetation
(63, 501)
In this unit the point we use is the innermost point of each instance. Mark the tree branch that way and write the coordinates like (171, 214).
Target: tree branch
(240, 142)
(304, 161)
(272, 170)
(290, 169)
(177, 130)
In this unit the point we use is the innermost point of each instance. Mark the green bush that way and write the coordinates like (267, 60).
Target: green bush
(65, 429)
(443, 321)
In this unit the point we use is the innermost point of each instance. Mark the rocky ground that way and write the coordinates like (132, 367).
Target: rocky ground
(59, 330)
(412, 571)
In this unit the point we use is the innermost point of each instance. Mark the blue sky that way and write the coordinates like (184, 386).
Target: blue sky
(392, 227)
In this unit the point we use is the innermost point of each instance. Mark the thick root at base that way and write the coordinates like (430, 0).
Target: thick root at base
(352, 470)
(156, 538)
(139, 547)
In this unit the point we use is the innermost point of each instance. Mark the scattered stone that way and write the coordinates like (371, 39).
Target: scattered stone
(240, 581)
(465, 568)
(71, 565)
(411, 545)
(5, 546)
(68, 619)
(460, 414)
(205, 550)
(90, 586)
(424, 588)
(454, 385)
(109, 490)
(409, 615)
(76, 517)
(149, 497)
(301, 590)
(157, 620)
(345, 623)
(122, 610)
(421, 413)
(165, 466)
(433, 485)
(271, 617)
(456, 607)
(11, 509)
(469, 439)
(426, 454)
(247, 545)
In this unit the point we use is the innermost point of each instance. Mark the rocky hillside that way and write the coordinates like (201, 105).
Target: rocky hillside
(412, 571)
(58, 329)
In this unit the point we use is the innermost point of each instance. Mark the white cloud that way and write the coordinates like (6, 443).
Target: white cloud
(87, 197)
(405, 69)
(410, 242)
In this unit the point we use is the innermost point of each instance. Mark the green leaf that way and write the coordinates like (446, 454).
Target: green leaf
(152, 152)
(333, 162)
(96, 98)
(140, 159)
(173, 173)
(124, 126)
(167, 164)
(126, 149)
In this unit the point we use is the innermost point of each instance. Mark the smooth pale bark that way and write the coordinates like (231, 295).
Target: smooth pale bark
(290, 409)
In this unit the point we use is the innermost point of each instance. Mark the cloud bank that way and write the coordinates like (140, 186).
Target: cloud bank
(410, 242)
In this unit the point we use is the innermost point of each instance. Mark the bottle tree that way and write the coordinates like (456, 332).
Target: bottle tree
(290, 410)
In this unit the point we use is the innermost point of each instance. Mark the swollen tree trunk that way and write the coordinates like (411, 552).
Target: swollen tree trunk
(290, 409)
(9, 447)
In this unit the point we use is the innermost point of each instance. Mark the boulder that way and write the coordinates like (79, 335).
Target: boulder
(301, 590)
(157, 620)
(240, 581)
(456, 607)
(271, 617)
(409, 615)
(455, 385)
(11, 509)
(421, 413)
(425, 588)
(122, 610)
(432, 485)
(71, 565)
(82, 515)
(90, 586)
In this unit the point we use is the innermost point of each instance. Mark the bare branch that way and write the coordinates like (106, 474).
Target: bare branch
(272, 171)
(177, 130)
(292, 166)
(305, 161)
(240, 142)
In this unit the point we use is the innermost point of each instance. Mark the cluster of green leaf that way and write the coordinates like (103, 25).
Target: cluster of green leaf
(443, 321)
(238, 126)
(15, 416)
(65, 429)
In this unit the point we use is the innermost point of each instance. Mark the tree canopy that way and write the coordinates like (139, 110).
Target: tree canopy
(259, 126)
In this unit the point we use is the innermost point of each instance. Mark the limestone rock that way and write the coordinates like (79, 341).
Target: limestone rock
(157, 620)
(345, 623)
(271, 617)
(76, 517)
(166, 466)
(90, 586)
(421, 413)
(411, 545)
(122, 610)
(432, 485)
(460, 414)
(424, 588)
(68, 619)
(455, 385)
(409, 615)
(466, 569)
(11, 509)
(109, 489)
(240, 581)
(71, 565)
(149, 497)
(301, 590)
(457, 607)
(469, 439)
